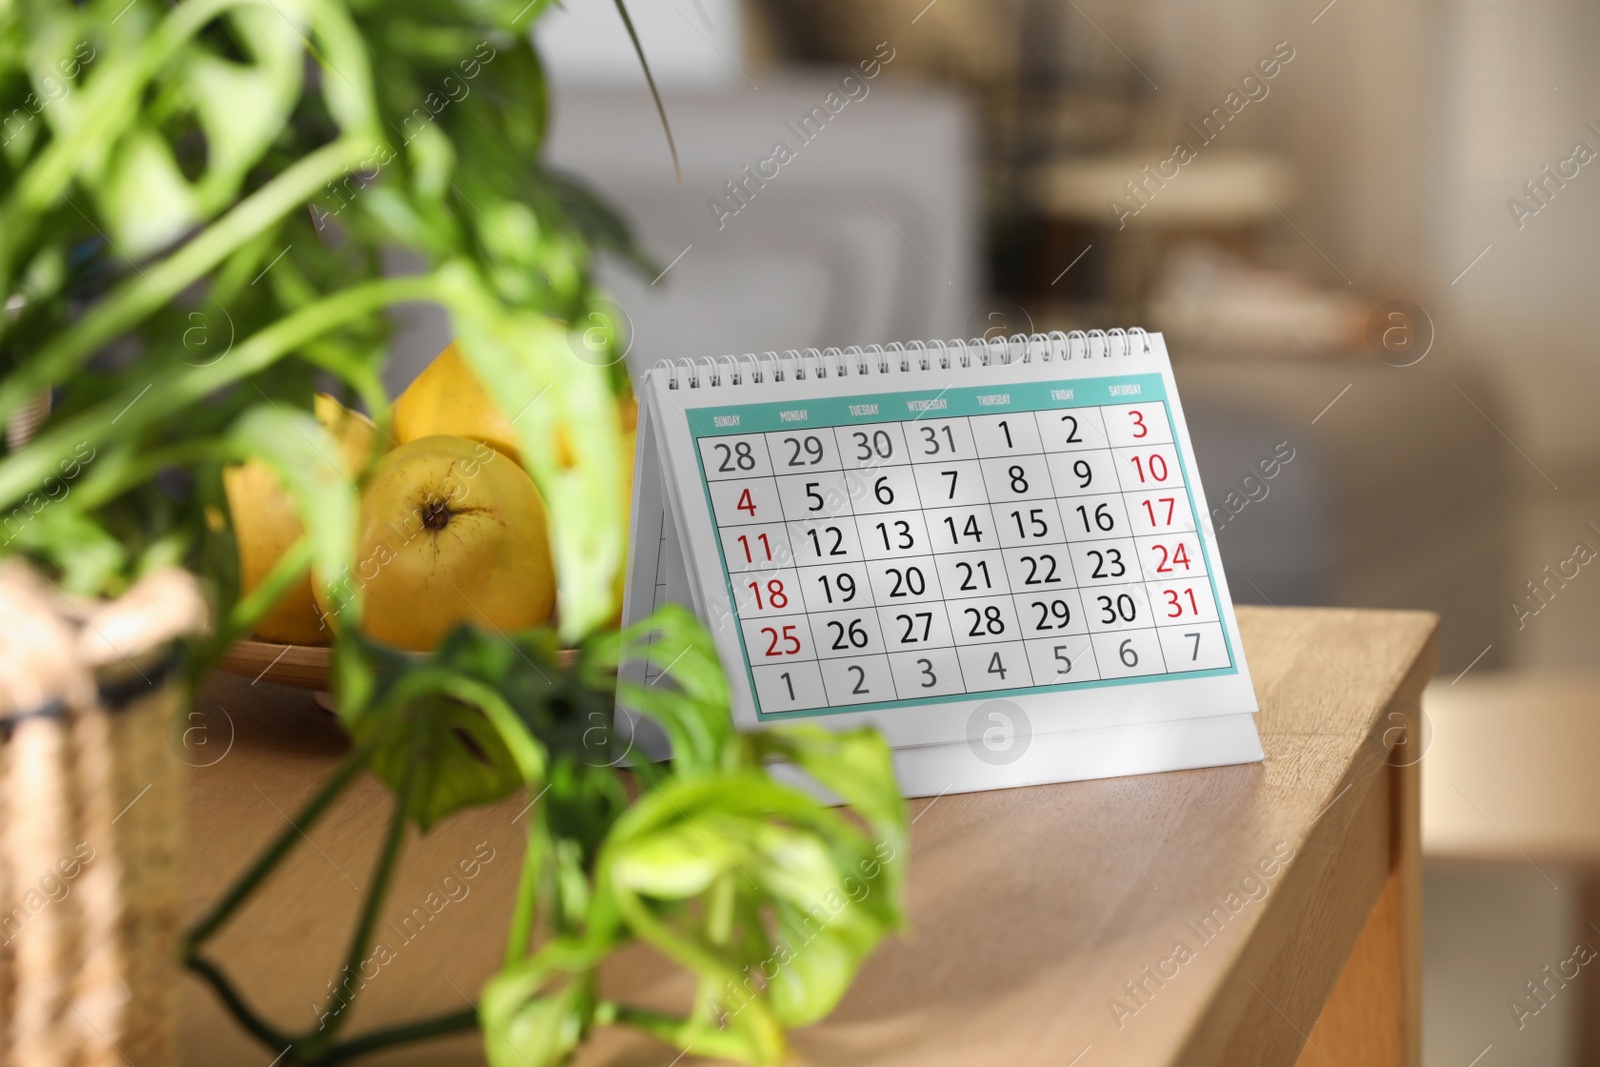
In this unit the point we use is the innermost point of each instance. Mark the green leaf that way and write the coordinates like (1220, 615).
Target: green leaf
(347, 75)
(584, 801)
(832, 891)
(857, 766)
(304, 456)
(691, 701)
(596, 220)
(812, 977)
(676, 863)
(474, 747)
(432, 158)
(242, 107)
(146, 199)
(463, 761)
(570, 434)
(528, 1025)
(791, 863)
(88, 556)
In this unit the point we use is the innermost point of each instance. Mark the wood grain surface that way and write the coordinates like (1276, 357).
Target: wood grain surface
(299, 666)
(1035, 911)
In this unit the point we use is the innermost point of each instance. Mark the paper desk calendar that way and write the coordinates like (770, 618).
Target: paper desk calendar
(988, 550)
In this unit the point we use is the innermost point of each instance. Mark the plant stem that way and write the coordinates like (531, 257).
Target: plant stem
(138, 297)
(108, 482)
(526, 906)
(310, 1049)
(262, 1030)
(185, 385)
(290, 568)
(112, 95)
(644, 65)
(382, 873)
(438, 1026)
(258, 872)
(655, 1023)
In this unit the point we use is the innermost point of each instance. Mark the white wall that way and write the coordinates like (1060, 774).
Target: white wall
(1530, 303)
(689, 43)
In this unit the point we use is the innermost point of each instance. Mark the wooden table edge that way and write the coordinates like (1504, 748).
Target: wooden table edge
(1361, 1005)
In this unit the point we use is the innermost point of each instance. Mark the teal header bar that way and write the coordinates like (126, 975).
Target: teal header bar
(926, 404)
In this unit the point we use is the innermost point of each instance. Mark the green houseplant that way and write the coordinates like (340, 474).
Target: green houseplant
(194, 199)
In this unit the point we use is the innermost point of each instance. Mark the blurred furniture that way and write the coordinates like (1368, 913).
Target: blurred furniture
(955, 43)
(1031, 908)
(1222, 192)
(1049, 79)
(1220, 188)
(1399, 494)
(1509, 780)
(868, 234)
(1509, 775)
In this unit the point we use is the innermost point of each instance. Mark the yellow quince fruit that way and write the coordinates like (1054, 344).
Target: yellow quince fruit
(266, 525)
(450, 531)
(447, 398)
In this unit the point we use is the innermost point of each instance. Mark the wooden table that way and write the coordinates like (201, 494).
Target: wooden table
(1293, 886)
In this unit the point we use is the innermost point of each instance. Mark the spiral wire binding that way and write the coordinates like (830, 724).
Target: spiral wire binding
(903, 357)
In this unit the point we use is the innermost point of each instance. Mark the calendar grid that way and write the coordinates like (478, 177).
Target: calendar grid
(854, 586)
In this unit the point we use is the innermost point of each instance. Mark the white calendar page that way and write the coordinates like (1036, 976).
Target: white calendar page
(897, 548)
